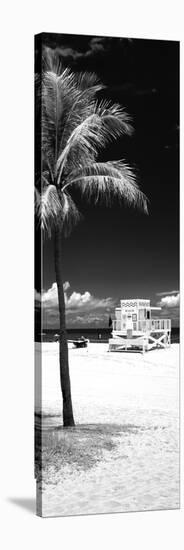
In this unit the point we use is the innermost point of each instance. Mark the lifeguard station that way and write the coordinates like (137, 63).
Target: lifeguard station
(136, 328)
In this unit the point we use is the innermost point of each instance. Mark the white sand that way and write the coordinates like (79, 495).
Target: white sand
(127, 389)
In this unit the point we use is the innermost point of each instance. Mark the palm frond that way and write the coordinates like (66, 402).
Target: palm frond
(49, 208)
(74, 121)
(84, 104)
(58, 95)
(75, 128)
(53, 207)
(86, 80)
(115, 118)
(104, 124)
(52, 114)
(88, 137)
(71, 214)
(51, 61)
(37, 198)
(104, 181)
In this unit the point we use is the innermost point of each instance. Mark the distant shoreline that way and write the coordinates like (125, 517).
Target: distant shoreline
(93, 334)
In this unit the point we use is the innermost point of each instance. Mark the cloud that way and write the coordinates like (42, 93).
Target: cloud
(68, 54)
(50, 297)
(89, 319)
(170, 299)
(66, 285)
(168, 293)
(81, 308)
(85, 301)
(77, 300)
(169, 303)
(96, 46)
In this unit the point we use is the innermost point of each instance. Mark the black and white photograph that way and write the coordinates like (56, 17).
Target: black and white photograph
(107, 289)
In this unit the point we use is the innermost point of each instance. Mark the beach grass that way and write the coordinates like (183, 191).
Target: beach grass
(79, 448)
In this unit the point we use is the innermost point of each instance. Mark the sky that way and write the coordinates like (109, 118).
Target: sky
(119, 252)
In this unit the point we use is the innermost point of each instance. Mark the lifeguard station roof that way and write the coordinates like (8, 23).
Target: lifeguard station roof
(137, 303)
(133, 302)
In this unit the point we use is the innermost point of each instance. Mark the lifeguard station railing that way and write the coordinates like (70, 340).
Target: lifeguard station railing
(148, 325)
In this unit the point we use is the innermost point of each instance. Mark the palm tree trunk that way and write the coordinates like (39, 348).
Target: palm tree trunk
(68, 419)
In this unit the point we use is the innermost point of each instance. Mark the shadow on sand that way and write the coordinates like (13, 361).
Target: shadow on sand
(81, 447)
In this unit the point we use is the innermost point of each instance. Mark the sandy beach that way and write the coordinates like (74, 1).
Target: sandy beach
(123, 454)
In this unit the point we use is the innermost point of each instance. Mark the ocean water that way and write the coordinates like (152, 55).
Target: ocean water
(93, 334)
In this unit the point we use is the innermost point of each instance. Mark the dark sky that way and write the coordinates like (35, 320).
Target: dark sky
(119, 252)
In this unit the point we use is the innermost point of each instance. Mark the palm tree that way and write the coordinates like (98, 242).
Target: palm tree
(75, 127)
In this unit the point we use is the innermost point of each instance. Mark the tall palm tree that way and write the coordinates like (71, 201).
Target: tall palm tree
(75, 128)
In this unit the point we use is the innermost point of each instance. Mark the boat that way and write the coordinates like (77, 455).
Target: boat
(80, 342)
